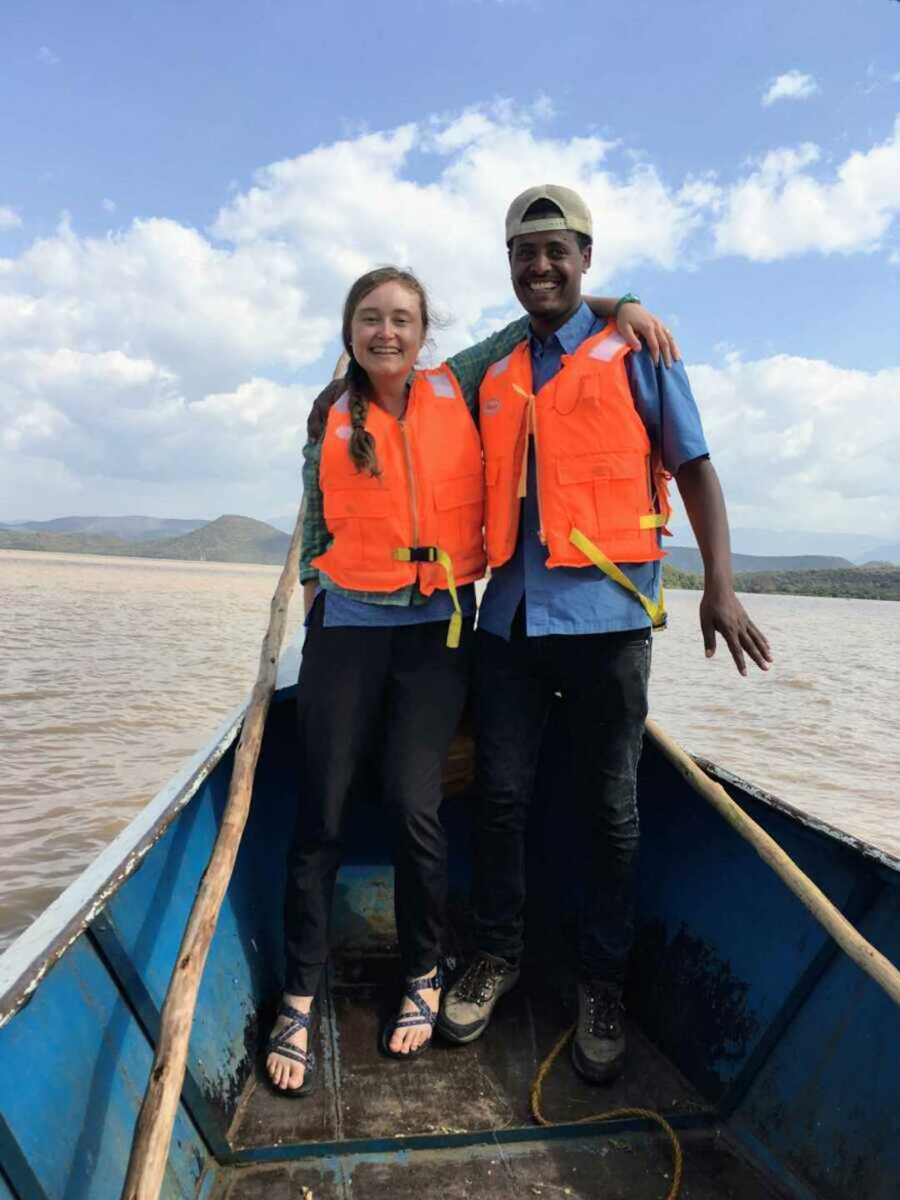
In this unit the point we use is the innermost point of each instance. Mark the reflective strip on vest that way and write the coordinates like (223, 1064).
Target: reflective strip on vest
(441, 385)
(499, 367)
(656, 612)
(607, 350)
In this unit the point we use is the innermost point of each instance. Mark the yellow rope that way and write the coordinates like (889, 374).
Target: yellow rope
(614, 1113)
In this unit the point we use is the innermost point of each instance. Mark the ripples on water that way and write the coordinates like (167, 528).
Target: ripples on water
(114, 671)
(817, 729)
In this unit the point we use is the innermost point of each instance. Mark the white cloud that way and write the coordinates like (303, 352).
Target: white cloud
(125, 418)
(108, 205)
(155, 368)
(792, 85)
(802, 444)
(164, 353)
(46, 56)
(449, 229)
(877, 79)
(781, 209)
(9, 218)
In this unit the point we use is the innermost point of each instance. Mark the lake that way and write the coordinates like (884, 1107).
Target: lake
(115, 670)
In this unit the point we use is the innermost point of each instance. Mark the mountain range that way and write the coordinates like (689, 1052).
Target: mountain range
(227, 539)
(233, 538)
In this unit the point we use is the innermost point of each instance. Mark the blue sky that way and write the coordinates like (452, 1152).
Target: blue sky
(169, 298)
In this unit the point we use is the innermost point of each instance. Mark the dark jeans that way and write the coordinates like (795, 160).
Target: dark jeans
(358, 685)
(603, 680)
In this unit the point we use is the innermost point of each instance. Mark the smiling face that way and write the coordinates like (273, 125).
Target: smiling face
(546, 270)
(387, 331)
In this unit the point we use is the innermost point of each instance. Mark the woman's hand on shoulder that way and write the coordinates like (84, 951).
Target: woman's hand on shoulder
(636, 322)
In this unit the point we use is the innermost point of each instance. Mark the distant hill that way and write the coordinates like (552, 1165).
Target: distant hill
(129, 528)
(243, 539)
(880, 554)
(227, 539)
(285, 524)
(64, 543)
(782, 542)
(861, 583)
(686, 558)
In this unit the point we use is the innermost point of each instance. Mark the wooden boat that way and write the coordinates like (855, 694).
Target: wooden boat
(775, 1058)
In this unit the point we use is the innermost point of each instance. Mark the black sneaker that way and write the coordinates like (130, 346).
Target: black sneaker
(598, 1048)
(466, 1008)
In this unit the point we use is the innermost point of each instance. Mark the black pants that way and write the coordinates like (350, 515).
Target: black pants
(404, 686)
(603, 680)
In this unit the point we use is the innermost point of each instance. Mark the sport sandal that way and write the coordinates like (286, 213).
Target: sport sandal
(406, 1020)
(280, 1043)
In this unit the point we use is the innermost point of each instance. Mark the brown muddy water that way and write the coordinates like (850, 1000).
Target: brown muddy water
(114, 671)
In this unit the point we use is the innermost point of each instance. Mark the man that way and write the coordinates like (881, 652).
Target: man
(580, 434)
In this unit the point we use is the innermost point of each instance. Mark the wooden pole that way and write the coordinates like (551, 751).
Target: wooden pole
(849, 939)
(150, 1148)
(153, 1132)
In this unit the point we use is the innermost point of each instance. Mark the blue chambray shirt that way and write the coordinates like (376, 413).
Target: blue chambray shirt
(343, 610)
(582, 599)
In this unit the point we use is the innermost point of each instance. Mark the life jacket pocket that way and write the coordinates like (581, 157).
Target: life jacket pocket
(352, 504)
(454, 493)
(459, 504)
(348, 516)
(584, 468)
(565, 401)
(604, 493)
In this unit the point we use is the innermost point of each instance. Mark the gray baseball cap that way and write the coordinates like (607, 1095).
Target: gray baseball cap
(575, 213)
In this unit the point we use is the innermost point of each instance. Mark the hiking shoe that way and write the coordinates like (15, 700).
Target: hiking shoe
(466, 1008)
(598, 1048)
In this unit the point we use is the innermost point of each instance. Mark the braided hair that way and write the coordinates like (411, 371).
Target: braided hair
(359, 386)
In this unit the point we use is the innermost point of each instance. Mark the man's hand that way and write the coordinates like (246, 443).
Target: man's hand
(721, 612)
(636, 322)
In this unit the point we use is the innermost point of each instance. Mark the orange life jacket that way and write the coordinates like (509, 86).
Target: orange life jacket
(420, 520)
(601, 490)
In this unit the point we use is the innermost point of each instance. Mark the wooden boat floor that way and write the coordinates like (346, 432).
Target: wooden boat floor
(626, 1167)
(449, 1089)
(364, 1097)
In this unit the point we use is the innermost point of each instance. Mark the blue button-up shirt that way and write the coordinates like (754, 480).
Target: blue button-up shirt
(583, 599)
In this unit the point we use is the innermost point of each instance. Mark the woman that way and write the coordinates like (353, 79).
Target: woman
(393, 539)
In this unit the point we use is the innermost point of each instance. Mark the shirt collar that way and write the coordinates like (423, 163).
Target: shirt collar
(572, 334)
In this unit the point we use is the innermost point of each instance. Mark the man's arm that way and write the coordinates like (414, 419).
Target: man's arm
(315, 536)
(720, 610)
(469, 365)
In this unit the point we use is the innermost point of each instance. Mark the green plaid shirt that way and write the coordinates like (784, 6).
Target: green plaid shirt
(469, 367)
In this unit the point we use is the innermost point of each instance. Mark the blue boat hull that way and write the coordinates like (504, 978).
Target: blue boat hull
(773, 1041)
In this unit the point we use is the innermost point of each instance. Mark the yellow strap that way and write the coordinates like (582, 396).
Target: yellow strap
(522, 489)
(655, 520)
(455, 630)
(656, 612)
(443, 559)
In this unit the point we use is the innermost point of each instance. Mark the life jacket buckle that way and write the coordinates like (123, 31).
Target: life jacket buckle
(426, 554)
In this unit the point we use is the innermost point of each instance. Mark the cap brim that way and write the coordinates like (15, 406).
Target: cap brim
(544, 225)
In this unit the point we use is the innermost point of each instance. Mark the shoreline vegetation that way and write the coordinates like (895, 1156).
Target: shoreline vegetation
(875, 581)
(236, 539)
